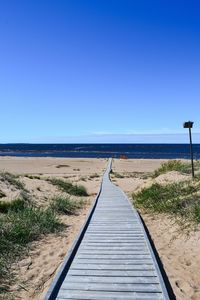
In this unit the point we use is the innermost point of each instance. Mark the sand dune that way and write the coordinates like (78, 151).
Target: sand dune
(178, 250)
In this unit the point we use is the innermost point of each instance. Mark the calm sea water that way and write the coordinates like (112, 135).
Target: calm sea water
(100, 150)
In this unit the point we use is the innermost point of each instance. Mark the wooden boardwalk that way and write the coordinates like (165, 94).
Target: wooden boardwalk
(114, 259)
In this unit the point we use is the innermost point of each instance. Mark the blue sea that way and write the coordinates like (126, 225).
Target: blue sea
(169, 151)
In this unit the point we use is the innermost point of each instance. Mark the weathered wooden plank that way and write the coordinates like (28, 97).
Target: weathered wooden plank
(114, 261)
(103, 243)
(99, 295)
(122, 229)
(123, 273)
(113, 238)
(113, 246)
(101, 266)
(120, 234)
(111, 253)
(110, 279)
(112, 287)
(111, 256)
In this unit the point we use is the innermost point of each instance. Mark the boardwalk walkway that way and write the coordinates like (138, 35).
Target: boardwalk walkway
(114, 259)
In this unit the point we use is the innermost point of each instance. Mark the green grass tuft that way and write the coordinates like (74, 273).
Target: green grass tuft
(32, 176)
(176, 165)
(29, 224)
(12, 180)
(66, 205)
(15, 205)
(20, 227)
(68, 187)
(196, 212)
(182, 199)
(117, 175)
(2, 194)
(95, 175)
(173, 165)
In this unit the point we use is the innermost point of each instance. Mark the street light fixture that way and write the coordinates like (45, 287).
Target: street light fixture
(189, 125)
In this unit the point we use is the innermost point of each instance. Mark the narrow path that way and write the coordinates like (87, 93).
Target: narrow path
(114, 259)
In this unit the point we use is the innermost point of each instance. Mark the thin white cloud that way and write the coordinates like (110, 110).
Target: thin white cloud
(115, 138)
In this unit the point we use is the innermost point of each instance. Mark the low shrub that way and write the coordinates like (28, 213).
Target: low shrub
(12, 180)
(173, 165)
(68, 187)
(2, 194)
(15, 205)
(95, 175)
(18, 227)
(28, 224)
(66, 205)
(181, 199)
(32, 176)
(117, 175)
(196, 212)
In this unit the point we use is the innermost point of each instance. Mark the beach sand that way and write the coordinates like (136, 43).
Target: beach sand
(178, 250)
(35, 272)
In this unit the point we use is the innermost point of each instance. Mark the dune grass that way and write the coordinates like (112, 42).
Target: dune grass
(117, 175)
(66, 205)
(95, 175)
(11, 179)
(21, 222)
(180, 199)
(14, 205)
(176, 165)
(173, 165)
(2, 194)
(32, 176)
(20, 225)
(68, 187)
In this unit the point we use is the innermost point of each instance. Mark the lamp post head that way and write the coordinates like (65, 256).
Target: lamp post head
(188, 124)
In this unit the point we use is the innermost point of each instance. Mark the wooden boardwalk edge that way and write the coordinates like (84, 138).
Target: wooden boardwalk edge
(113, 256)
(58, 280)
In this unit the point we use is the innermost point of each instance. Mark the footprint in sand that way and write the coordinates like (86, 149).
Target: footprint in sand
(184, 287)
(177, 282)
(188, 263)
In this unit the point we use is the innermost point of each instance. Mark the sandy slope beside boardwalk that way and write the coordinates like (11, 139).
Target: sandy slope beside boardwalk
(179, 252)
(177, 248)
(35, 272)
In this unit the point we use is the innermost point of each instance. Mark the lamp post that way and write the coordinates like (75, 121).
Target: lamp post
(189, 125)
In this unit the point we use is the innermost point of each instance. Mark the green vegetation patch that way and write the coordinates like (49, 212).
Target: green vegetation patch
(173, 165)
(24, 226)
(196, 212)
(20, 227)
(12, 180)
(2, 194)
(95, 175)
(182, 199)
(15, 205)
(66, 205)
(68, 187)
(32, 176)
(117, 175)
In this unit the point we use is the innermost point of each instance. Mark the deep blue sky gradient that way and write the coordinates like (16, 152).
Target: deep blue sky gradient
(85, 69)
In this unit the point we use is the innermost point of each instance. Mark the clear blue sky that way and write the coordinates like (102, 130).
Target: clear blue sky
(103, 70)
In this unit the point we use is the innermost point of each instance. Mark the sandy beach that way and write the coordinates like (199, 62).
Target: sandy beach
(177, 249)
